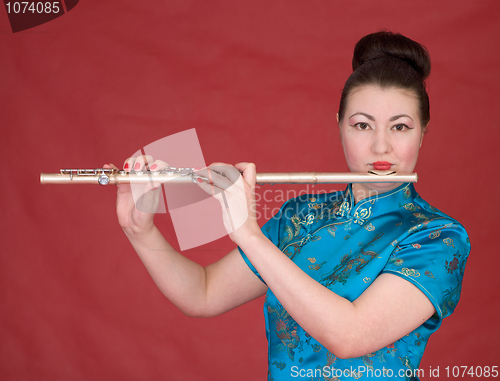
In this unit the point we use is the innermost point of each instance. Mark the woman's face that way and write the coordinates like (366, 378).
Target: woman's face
(381, 130)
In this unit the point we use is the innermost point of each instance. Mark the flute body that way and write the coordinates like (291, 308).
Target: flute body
(105, 176)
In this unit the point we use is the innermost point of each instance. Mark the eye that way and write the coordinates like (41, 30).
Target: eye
(362, 126)
(400, 127)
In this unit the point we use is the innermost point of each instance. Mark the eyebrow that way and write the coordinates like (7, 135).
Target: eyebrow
(392, 119)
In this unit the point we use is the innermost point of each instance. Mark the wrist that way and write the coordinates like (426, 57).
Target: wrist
(247, 237)
(139, 235)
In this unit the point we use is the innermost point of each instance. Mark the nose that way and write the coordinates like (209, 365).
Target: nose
(381, 143)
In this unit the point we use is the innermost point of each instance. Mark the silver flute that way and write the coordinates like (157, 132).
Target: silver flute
(174, 175)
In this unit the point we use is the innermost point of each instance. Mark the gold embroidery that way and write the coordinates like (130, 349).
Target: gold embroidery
(409, 206)
(315, 206)
(448, 242)
(331, 230)
(410, 272)
(370, 227)
(344, 208)
(362, 215)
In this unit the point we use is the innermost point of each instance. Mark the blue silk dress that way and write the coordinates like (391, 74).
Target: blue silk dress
(345, 246)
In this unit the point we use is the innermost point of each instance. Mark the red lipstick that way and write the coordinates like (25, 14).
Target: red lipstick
(382, 165)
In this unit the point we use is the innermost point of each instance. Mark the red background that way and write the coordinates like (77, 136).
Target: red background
(260, 81)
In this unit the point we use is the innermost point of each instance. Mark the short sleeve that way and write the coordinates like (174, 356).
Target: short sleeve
(434, 261)
(271, 230)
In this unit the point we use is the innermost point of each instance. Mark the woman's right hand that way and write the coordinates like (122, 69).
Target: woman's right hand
(136, 205)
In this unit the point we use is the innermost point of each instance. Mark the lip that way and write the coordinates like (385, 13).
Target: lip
(382, 165)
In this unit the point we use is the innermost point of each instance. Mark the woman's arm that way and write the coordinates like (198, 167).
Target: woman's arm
(389, 309)
(195, 290)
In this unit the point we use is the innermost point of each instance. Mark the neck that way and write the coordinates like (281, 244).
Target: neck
(361, 191)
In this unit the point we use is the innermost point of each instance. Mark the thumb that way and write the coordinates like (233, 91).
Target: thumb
(249, 171)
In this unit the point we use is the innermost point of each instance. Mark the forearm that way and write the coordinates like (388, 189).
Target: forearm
(325, 315)
(181, 280)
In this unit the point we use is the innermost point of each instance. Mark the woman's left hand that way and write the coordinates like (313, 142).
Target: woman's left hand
(233, 187)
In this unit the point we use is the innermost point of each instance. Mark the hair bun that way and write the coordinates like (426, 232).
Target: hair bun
(392, 45)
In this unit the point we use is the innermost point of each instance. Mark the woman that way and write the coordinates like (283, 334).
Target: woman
(355, 281)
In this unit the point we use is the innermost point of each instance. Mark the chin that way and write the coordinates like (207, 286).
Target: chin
(381, 187)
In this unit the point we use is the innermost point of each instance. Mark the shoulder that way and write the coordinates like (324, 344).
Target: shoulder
(435, 221)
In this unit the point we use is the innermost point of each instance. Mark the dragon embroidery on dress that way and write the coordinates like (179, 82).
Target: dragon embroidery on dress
(294, 249)
(409, 367)
(287, 236)
(285, 329)
(367, 360)
(450, 300)
(421, 216)
(409, 206)
(350, 262)
(330, 360)
(317, 266)
(280, 365)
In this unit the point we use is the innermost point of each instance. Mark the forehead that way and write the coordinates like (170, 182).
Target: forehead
(382, 103)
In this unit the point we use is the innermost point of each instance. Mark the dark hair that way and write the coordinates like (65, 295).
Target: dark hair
(390, 60)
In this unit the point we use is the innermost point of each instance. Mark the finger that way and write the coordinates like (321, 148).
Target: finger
(229, 171)
(141, 162)
(249, 171)
(220, 174)
(205, 173)
(128, 163)
(110, 165)
(218, 178)
(205, 186)
(158, 165)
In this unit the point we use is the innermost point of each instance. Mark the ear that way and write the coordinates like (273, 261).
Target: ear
(426, 128)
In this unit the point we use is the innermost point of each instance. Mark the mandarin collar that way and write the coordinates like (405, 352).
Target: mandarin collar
(402, 196)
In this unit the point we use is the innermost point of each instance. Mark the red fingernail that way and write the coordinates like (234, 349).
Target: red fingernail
(153, 167)
(199, 180)
(126, 166)
(137, 166)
